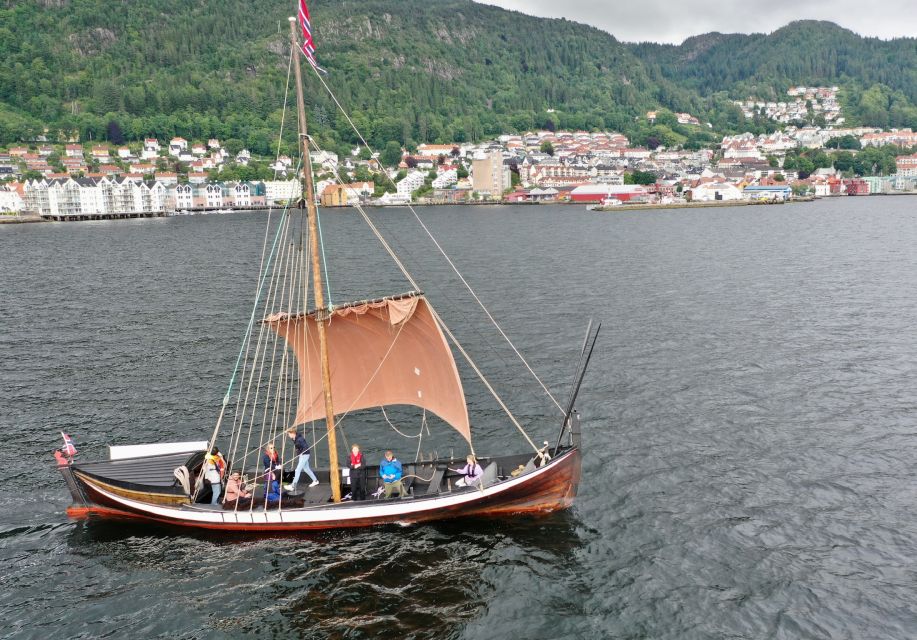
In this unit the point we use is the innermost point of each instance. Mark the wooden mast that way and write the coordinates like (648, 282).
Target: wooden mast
(321, 312)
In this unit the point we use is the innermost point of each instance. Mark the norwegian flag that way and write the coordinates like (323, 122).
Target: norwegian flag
(69, 448)
(308, 44)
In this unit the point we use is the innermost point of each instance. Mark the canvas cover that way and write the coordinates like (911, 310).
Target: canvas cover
(383, 352)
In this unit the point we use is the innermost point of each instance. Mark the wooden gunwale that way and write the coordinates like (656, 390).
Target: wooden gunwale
(550, 488)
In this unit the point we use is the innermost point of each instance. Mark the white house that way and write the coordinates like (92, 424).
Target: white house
(150, 149)
(177, 146)
(325, 159)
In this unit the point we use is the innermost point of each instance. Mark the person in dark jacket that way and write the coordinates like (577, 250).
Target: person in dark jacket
(357, 474)
(304, 452)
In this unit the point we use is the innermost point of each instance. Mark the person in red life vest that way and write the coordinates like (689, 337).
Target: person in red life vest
(357, 474)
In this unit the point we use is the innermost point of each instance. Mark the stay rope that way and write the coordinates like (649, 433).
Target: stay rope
(443, 252)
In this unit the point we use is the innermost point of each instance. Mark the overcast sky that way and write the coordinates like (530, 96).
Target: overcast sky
(673, 21)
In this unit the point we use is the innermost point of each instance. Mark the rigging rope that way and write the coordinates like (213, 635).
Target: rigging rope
(443, 252)
(436, 316)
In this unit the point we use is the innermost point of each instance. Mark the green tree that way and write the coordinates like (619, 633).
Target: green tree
(391, 155)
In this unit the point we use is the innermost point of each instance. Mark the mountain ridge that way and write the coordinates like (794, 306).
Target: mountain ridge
(410, 71)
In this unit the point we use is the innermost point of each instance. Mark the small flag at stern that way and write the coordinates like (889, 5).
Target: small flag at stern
(69, 448)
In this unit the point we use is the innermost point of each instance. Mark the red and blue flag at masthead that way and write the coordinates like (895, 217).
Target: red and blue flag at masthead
(308, 44)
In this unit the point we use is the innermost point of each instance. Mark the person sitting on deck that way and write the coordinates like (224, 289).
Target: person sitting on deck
(304, 451)
(237, 493)
(212, 474)
(390, 472)
(357, 474)
(471, 473)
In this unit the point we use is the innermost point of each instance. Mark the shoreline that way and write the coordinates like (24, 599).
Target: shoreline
(31, 218)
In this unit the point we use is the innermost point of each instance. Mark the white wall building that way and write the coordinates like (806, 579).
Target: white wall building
(411, 183)
(184, 196)
(10, 200)
(281, 191)
(445, 179)
(710, 191)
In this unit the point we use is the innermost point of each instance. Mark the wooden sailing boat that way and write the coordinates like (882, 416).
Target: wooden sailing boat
(330, 362)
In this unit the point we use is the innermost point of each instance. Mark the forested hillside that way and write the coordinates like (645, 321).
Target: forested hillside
(409, 70)
(879, 78)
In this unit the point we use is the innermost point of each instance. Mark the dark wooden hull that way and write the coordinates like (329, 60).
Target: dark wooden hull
(543, 490)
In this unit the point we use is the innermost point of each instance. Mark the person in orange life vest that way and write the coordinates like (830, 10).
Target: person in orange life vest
(220, 461)
(212, 474)
(357, 474)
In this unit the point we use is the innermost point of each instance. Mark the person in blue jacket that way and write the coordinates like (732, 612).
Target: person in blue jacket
(304, 452)
(390, 472)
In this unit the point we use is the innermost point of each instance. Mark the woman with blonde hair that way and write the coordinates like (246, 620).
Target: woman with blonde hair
(471, 473)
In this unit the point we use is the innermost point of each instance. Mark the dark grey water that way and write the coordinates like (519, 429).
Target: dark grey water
(750, 441)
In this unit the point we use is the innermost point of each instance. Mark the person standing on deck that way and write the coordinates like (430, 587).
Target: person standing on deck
(357, 474)
(212, 474)
(304, 452)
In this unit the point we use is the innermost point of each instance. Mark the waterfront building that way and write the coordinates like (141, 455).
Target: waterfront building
(711, 191)
(10, 200)
(489, 175)
(767, 192)
(183, 197)
(208, 195)
(599, 192)
(237, 194)
(856, 187)
(282, 191)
